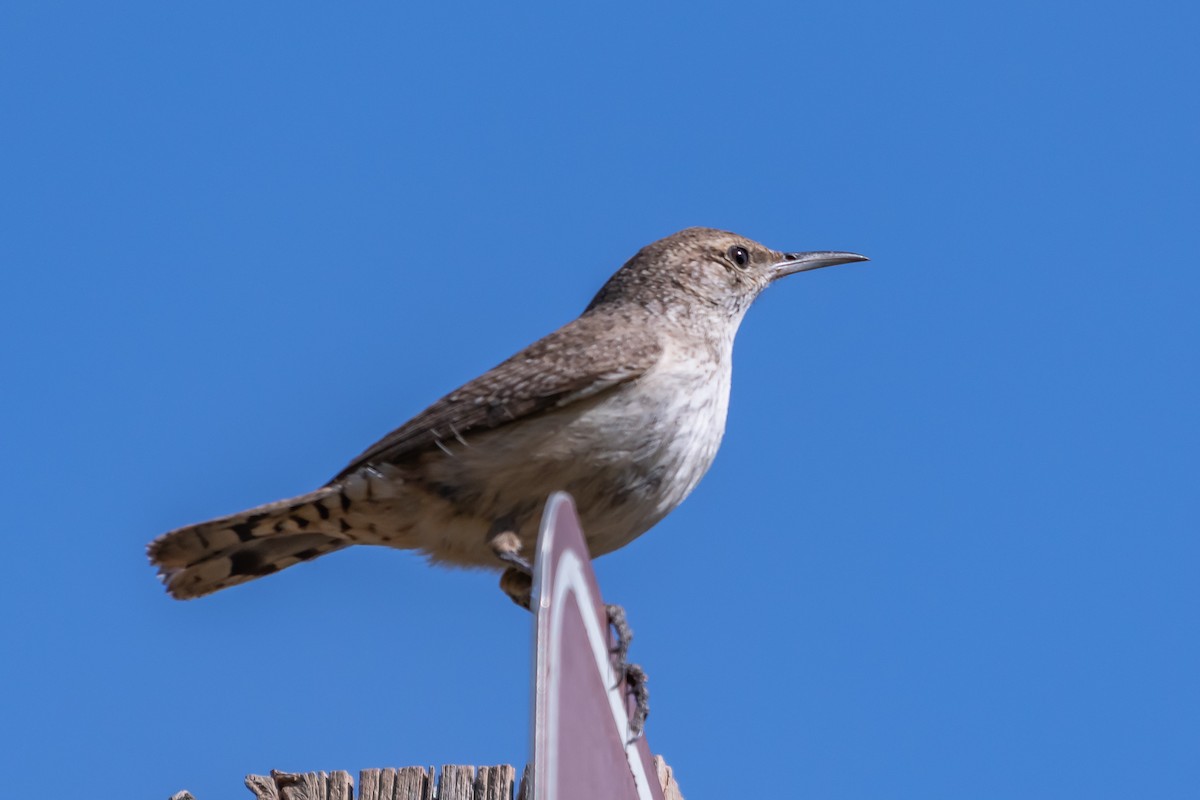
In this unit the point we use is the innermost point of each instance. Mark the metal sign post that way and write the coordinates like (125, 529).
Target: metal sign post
(583, 748)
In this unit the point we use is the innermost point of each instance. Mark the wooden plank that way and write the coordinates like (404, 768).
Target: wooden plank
(495, 783)
(340, 786)
(666, 779)
(525, 791)
(407, 783)
(376, 784)
(302, 786)
(415, 783)
(264, 788)
(457, 783)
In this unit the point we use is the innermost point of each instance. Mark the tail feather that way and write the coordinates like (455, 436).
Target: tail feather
(200, 559)
(245, 563)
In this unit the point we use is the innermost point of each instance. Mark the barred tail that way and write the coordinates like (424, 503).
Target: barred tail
(200, 559)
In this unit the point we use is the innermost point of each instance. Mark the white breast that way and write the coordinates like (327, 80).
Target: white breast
(628, 456)
(663, 435)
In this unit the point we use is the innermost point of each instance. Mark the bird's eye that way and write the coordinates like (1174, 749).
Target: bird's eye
(740, 256)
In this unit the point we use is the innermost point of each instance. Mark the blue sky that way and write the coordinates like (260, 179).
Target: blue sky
(949, 548)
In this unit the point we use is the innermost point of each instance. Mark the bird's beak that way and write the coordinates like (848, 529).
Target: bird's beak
(803, 262)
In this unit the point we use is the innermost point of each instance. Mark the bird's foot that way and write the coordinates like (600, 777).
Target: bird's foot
(616, 618)
(518, 585)
(517, 580)
(633, 675)
(636, 680)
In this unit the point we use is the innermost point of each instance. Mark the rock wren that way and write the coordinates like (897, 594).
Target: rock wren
(624, 408)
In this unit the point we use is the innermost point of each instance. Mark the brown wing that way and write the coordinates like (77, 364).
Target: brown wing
(579, 360)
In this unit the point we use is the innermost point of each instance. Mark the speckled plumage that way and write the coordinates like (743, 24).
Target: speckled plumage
(624, 408)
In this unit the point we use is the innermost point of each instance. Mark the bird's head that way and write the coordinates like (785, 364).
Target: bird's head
(707, 268)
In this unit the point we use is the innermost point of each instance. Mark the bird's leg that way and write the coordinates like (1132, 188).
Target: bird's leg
(517, 583)
(517, 580)
(507, 547)
(634, 676)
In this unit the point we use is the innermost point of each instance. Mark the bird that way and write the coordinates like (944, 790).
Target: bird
(624, 408)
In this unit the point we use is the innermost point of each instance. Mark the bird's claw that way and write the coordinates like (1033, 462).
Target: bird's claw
(518, 585)
(632, 674)
(636, 680)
